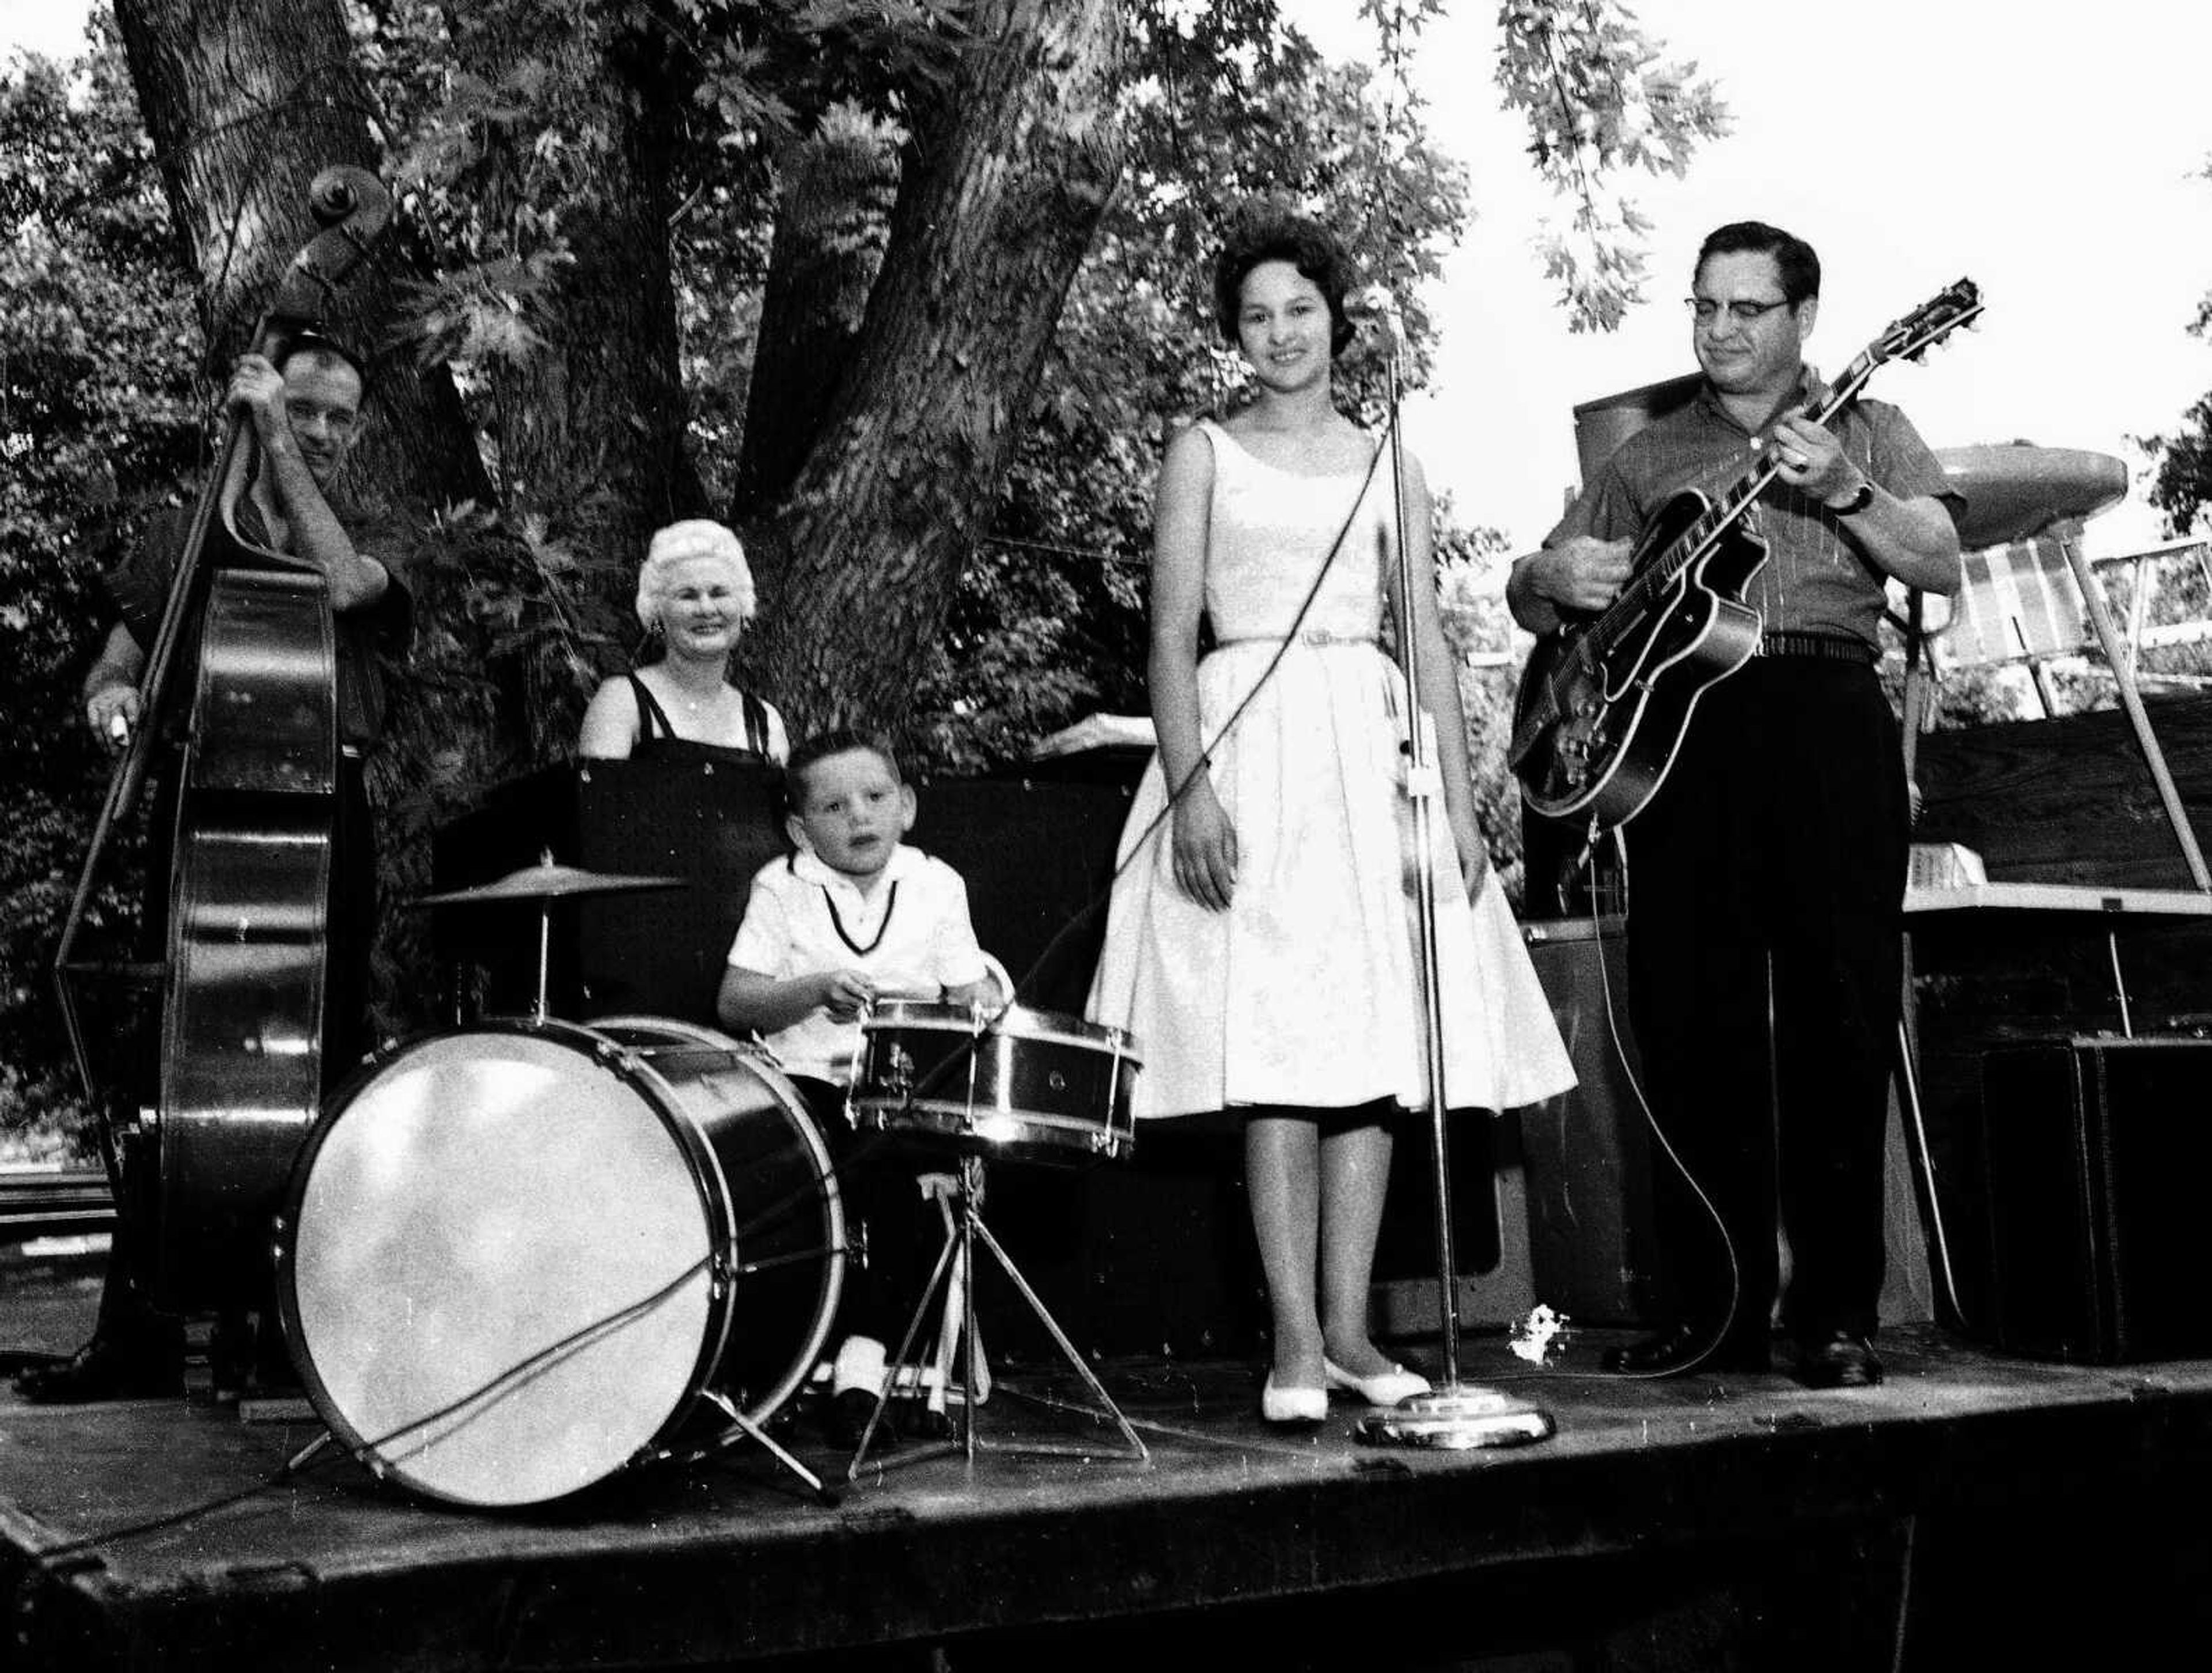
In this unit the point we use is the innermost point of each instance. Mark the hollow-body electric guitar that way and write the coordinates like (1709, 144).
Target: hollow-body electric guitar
(1607, 699)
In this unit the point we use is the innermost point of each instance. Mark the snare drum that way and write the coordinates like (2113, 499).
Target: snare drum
(1036, 1085)
(517, 1257)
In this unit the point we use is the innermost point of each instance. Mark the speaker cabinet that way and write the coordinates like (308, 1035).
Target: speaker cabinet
(1492, 1283)
(2094, 1153)
(708, 825)
(1591, 1243)
(1037, 855)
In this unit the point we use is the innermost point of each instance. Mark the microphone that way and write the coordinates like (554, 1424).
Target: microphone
(1375, 311)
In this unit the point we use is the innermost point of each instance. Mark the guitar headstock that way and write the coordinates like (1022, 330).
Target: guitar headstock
(1909, 338)
(1912, 336)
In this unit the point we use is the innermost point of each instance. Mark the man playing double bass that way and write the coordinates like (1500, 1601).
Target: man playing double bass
(304, 410)
(1770, 861)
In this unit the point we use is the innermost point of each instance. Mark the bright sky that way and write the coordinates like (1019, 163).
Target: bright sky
(55, 27)
(1911, 140)
(2047, 155)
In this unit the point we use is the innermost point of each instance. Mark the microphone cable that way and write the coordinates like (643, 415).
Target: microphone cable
(1657, 1128)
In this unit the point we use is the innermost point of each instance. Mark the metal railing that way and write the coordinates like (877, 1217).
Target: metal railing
(51, 1203)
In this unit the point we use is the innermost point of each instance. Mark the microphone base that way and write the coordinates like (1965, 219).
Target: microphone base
(1457, 1418)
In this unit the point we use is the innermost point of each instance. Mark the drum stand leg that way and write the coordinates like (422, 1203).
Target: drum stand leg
(775, 1449)
(968, 1230)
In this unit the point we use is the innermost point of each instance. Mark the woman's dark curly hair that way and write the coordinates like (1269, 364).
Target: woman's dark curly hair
(1306, 244)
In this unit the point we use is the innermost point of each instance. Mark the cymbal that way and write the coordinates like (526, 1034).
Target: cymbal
(545, 882)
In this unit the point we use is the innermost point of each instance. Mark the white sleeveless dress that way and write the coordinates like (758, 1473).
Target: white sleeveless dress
(1307, 991)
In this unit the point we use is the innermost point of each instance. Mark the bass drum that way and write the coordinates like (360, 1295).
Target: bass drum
(517, 1257)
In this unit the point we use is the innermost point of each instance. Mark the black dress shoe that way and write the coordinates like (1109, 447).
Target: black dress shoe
(103, 1370)
(1683, 1347)
(1842, 1360)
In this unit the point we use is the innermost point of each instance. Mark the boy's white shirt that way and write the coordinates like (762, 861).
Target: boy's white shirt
(787, 931)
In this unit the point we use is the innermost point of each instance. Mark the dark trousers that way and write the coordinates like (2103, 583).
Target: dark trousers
(878, 1181)
(351, 931)
(1765, 887)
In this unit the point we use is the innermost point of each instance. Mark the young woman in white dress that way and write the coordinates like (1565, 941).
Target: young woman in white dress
(1261, 948)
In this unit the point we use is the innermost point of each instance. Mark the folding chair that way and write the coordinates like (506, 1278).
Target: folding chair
(2035, 601)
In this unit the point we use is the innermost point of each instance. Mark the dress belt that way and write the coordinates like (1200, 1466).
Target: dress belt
(1303, 636)
(1823, 647)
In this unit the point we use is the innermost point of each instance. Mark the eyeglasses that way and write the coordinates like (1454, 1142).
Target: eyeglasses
(336, 420)
(1704, 310)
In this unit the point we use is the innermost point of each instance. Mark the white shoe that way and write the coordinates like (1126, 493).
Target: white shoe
(1384, 1388)
(1292, 1405)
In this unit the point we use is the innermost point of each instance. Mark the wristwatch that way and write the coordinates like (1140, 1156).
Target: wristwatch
(1861, 497)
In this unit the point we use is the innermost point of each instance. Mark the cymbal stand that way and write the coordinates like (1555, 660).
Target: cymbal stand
(1452, 1415)
(967, 1231)
(543, 1009)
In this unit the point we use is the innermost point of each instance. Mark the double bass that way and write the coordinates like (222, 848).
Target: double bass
(239, 692)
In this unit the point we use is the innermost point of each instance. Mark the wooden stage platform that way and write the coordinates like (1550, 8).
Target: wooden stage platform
(1973, 1506)
(1977, 1510)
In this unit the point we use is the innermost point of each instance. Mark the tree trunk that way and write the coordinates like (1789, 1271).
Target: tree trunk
(246, 101)
(592, 426)
(1007, 177)
(834, 190)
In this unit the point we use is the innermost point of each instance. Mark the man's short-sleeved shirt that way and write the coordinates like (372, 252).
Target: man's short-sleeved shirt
(913, 937)
(1815, 579)
(137, 588)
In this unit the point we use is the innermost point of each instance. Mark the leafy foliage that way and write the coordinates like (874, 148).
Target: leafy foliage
(518, 128)
(1049, 621)
(2181, 477)
(512, 130)
(2181, 481)
(100, 422)
(1599, 100)
(502, 141)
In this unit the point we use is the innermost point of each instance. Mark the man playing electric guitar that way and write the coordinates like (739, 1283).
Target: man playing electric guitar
(1770, 860)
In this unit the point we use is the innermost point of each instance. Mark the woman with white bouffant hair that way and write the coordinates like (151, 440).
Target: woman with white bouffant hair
(694, 595)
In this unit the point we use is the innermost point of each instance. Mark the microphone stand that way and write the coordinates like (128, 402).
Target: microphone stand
(1453, 1416)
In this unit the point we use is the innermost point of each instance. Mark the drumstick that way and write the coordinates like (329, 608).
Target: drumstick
(897, 992)
(896, 995)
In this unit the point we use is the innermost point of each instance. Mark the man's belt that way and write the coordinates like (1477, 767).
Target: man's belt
(1822, 646)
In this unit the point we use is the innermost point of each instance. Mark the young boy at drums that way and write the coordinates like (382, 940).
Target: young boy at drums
(854, 915)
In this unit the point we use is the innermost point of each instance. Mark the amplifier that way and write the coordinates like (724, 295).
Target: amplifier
(659, 952)
(1592, 1243)
(2094, 1152)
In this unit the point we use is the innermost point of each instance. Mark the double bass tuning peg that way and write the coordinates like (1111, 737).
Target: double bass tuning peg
(339, 191)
